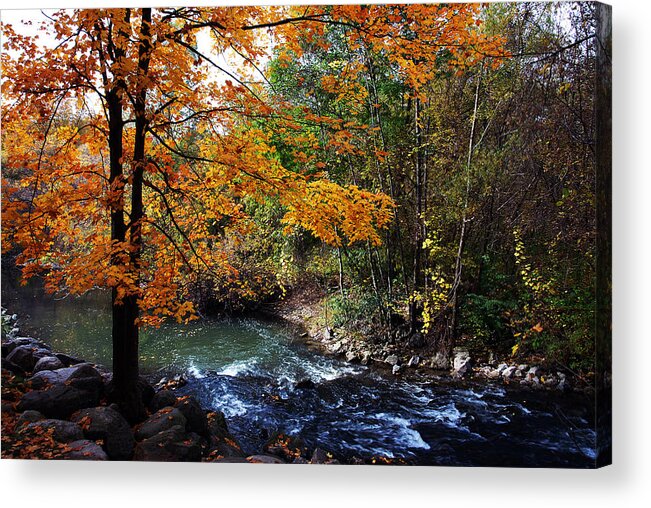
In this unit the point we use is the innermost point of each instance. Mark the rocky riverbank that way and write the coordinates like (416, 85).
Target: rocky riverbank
(303, 311)
(55, 406)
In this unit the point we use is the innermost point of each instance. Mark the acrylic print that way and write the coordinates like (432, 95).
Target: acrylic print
(350, 234)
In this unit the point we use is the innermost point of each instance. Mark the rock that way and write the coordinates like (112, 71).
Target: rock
(493, 374)
(563, 385)
(518, 373)
(196, 417)
(48, 363)
(84, 374)
(85, 377)
(534, 372)
(12, 344)
(264, 459)
(107, 424)
(440, 362)
(508, 372)
(319, 456)
(24, 357)
(413, 361)
(523, 367)
(550, 381)
(68, 360)
(58, 401)
(396, 370)
(172, 445)
(461, 363)
(163, 419)
(147, 391)
(161, 399)
(328, 333)
(391, 360)
(300, 460)
(352, 357)
(62, 431)
(27, 417)
(286, 447)
(222, 443)
(366, 358)
(501, 368)
(305, 384)
(13, 368)
(336, 348)
(85, 450)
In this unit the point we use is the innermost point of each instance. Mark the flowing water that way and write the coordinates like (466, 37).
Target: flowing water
(249, 369)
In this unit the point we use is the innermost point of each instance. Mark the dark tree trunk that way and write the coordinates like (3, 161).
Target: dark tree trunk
(124, 389)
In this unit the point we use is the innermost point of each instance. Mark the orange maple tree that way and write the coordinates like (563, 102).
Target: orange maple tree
(128, 148)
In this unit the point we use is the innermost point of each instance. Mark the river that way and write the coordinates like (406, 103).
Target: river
(248, 369)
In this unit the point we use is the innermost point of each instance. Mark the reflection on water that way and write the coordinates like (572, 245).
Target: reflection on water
(248, 369)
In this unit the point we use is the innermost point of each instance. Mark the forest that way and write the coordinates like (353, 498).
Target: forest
(424, 174)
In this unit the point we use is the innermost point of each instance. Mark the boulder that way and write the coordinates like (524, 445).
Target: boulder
(533, 372)
(27, 417)
(319, 456)
(48, 363)
(107, 424)
(396, 369)
(196, 417)
(147, 391)
(163, 419)
(366, 358)
(440, 362)
(84, 450)
(501, 368)
(85, 377)
(62, 430)
(305, 384)
(286, 447)
(161, 399)
(13, 368)
(264, 459)
(58, 401)
(509, 372)
(222, 443)
(413, 361)
(391, 360)
(12, 344)
(68, 360)
(25, 357)
(83, 374)
(172, 445)
(352, 357)
(462, 363)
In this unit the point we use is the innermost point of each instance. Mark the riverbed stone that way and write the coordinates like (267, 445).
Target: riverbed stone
(27, 417)
(163, 419)
(58, 401)
(84, 449)
(48, 363)
(62, 431)
(440, 362)
(396, 369)
(509, 372)
(161, 399)
(462, 363)
(352, 357)
(413, 361)
(10, 345)
(172, 445)
(24, 357)
(68, 360)
(533, 372)
(392, 360)
(109, 425)
(194, 414)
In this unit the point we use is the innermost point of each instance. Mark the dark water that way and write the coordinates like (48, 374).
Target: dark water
(248, 369)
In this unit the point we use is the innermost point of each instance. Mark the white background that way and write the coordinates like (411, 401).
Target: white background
(626, 483)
